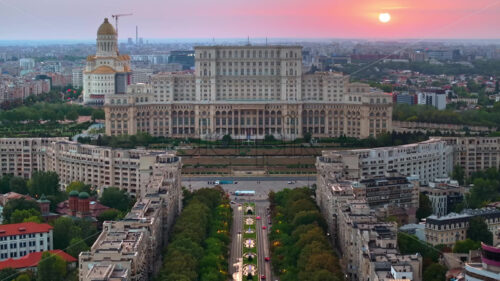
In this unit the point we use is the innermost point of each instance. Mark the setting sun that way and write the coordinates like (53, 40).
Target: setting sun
(384, 17)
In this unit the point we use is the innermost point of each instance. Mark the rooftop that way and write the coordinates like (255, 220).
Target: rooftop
(32, 260)
(23, 228)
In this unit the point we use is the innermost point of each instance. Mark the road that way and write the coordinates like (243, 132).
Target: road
(236, 241)
(263, 240)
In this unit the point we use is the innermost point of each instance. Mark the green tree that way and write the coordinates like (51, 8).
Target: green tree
(109, 215)
(424, 207)
(43, 183)
(307, 137)
(18, 185)
(115, 198)
(435, 272)
(76, 246)
(51, 268)
(30, 215)
(227, 140)
(98, 115)
(466, 245)
(78, 186)
(23, 277)
(458, 174)
(269, 138)
(8, 274)
(478, 231)
(18, 204)
(5, 183)
(64, 230)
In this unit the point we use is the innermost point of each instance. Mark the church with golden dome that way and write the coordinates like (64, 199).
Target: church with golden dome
(107, 72)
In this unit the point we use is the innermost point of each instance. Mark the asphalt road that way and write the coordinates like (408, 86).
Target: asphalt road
(236, 241)
(263, 241)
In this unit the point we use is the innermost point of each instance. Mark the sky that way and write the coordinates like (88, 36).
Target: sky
(415, 19)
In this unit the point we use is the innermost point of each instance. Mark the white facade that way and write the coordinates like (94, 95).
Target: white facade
(107, 72)
(27, 63)
(428, 160)
(20, 239)
(77, 80)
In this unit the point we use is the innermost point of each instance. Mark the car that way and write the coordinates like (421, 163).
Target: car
(262, 277)
(290, 182)
(258, 217)
(267, 259)
(264, 227)
(232, 202)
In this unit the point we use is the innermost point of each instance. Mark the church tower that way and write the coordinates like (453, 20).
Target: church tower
(107, 72)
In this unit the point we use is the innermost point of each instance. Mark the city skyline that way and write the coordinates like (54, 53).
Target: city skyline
(278, 19)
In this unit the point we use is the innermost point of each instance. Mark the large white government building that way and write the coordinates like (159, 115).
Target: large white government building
(107, 72)
(249, 92)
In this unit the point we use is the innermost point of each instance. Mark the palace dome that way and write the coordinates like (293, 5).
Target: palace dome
(106, 28)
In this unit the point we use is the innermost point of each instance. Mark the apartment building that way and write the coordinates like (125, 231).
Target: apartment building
(444, 194)
(19, 239)
(428, 160)
(250, 92)
(368, 246)
(128, 169)
(475, 153)
(453, 227)
(130, 249)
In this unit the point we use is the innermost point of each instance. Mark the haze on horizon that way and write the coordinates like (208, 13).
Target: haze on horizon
(424, 19)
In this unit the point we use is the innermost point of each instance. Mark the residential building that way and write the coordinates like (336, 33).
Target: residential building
(368, 246)
(453, 227)
(107, 72)
(20, 239)
(131, 248)
(141, 75)
(428, 160)
(438, 100)
(30, 261)
(128, 169)
(475, 153)
(27, 63)
(77, 81)
(249, 92)
(488, 269)
(444, 195)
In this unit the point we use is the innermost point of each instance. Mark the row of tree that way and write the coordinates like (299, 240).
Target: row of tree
(198, 249)
(485, 187)
(48, 112)
(299, 247)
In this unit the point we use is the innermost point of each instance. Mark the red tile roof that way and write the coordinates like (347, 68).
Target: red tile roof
(23, 228)
(32, 259)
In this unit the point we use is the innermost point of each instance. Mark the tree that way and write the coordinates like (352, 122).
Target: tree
(5, 183)
(116, 198)
(78, 186)
(109, 215)
(18, 185)
(18, 204)
(51, 268)
(23, 277)
(64, 230)
(269, 138)
(76, 246)
(72, 115)
(97, 114)
(458, 174)
(227, 140)
(30, 215)
(307, 137)
(8, 273)
(466, 245)
(435, 272)
(478, 231)
(424, 207)
(43, 183)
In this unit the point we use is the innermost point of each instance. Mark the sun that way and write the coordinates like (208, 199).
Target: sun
(384, 17)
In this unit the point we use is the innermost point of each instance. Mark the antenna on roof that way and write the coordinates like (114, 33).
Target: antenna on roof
(266, 41)
(248, 40)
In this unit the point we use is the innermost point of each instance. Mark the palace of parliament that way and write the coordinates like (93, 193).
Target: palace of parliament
(247, 92)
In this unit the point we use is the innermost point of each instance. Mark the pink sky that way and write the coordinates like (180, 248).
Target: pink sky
(73, 19)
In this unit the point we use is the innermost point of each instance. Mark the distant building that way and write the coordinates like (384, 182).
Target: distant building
(27, 64)
(141, 75)
(405, 98)
(80, 205)
(185, 58)
(77, 78)
(20, 239)
(437, 100)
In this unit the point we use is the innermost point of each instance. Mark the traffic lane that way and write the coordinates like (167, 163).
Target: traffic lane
(250, 178)
(265, 241)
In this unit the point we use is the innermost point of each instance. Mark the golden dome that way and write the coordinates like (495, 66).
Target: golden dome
(106, 28)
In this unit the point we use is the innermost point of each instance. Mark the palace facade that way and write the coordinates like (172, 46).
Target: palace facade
(249, 92)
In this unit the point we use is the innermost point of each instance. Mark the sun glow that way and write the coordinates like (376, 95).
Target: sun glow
(384, 17)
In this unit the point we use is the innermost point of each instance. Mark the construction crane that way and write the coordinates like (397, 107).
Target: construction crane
(116, 20)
